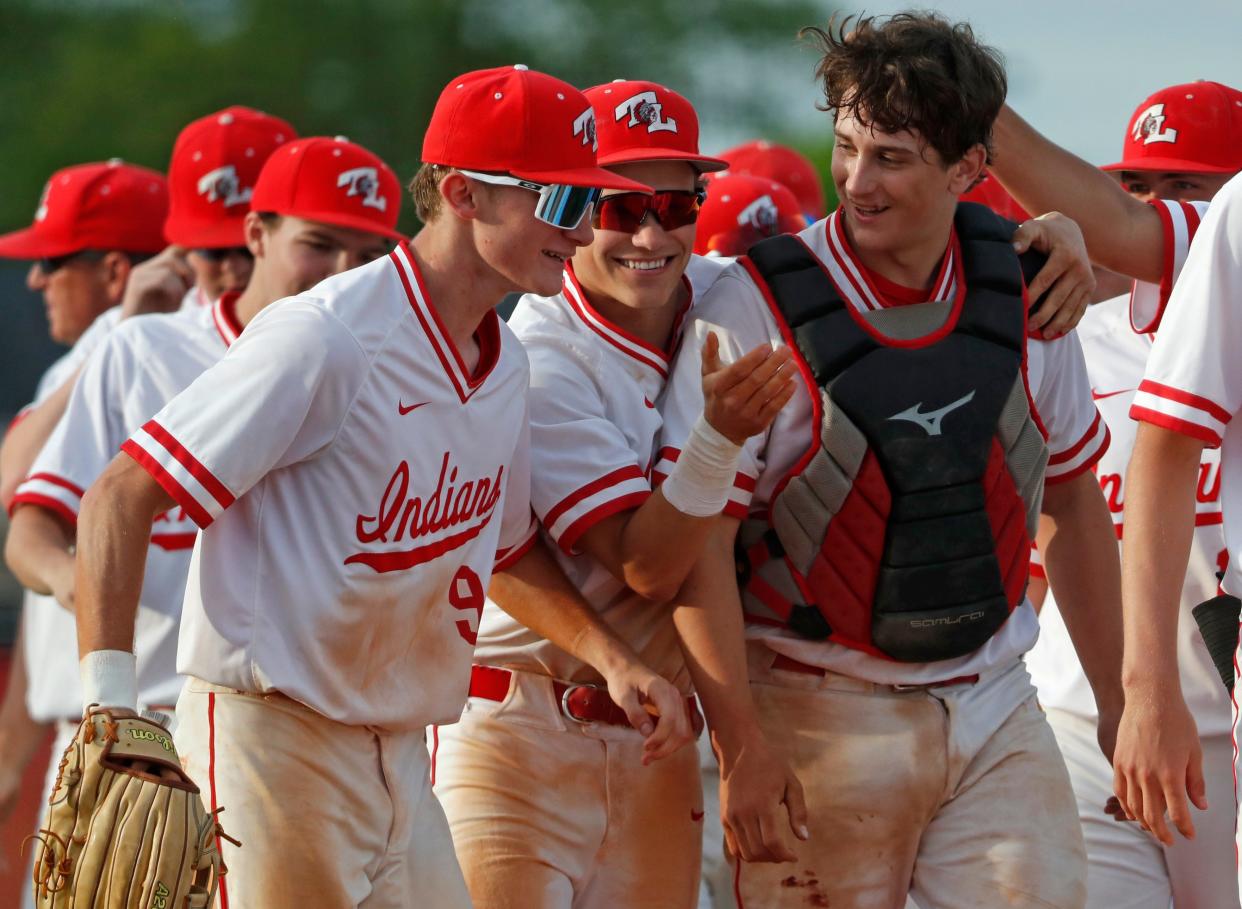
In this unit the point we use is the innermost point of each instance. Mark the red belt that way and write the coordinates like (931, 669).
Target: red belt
(579, 703)
(791, 665)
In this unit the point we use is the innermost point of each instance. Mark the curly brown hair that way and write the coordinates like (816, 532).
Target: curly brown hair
(913, 71)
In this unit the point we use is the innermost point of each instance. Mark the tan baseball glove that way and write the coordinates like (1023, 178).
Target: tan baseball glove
(125, 827)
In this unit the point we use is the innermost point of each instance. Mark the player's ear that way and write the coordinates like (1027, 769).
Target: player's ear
(255, 232)
(968, 169)
(461, 195)
(114, 269)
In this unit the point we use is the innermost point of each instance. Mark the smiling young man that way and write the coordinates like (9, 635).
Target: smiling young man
(882, 534)
(552, 800)
(144, 363)
(357, 465)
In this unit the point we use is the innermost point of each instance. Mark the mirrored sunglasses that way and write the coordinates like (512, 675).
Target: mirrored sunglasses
(626, 212)
(559, 204)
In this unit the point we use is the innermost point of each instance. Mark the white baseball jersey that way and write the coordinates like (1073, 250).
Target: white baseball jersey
(355, 486)
(139, 368)
(45, 624)
(595, 417)
(1193, 381)
(738, 313)
(1116, 357)
(194, 300)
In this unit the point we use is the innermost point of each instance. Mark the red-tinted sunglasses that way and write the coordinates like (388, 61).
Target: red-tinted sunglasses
(626, 212)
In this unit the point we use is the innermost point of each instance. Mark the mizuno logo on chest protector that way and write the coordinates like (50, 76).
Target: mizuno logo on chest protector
(930, 421)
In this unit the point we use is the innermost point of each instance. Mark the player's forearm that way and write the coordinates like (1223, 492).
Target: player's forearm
(24, 440)
(39, 549)
(659, 546)
(708, 616)
(1160, 517)
(535, 592)
(1122, 233)
(114, 531)
(1080, 556)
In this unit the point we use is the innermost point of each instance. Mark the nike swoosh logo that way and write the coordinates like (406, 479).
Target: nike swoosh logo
(1096, 396)
(648, 403)
(930, 421)
(403, 410)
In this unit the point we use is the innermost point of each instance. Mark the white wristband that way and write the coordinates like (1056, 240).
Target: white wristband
(109, 679)
(701, 479)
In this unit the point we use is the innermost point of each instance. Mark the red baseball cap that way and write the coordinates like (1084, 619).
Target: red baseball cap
(333, 181)
(1194, 128)
(741, 210)
(108, 205)
(643, 121)
(989, 192)
(762, 158)
(522, 122)
(215, 163)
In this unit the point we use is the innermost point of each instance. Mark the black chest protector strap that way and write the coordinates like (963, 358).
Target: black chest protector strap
(905, 528)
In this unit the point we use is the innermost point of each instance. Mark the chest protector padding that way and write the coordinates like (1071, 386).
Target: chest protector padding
(905, 530)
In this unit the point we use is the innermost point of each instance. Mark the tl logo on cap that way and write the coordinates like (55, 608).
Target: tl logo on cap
(761, 215)
(222, 184)
(584, 126)
(364, 181)
(644, 108)
(1149, 126)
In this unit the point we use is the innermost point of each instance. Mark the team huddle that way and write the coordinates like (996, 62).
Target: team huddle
(381, 600)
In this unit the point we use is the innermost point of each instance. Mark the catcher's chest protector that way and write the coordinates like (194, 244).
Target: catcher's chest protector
(905, 530)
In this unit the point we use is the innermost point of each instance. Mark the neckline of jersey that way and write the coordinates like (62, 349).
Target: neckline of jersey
(224, 315)
(486, 335)
(628, 343)
(874, 291)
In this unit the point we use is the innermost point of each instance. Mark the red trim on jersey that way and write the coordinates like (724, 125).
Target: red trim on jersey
(632, 472)
(741, 480)
(211, 782)
(1037, 571)
(42, 501)
(174, 542)
(875, 287)
(959, 298)
(1026, 379)
(487, 335)
(383, 562)
(1072, 452)
(575, 530)
(1168, 258)
(737, 883)
(170, 484)
(1176, 395)
(1174, 424)
(737, 510)
(224, 316)
(507, 558)
(647, 354)
(57, 481)
(1053, 479)
(214, 487)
